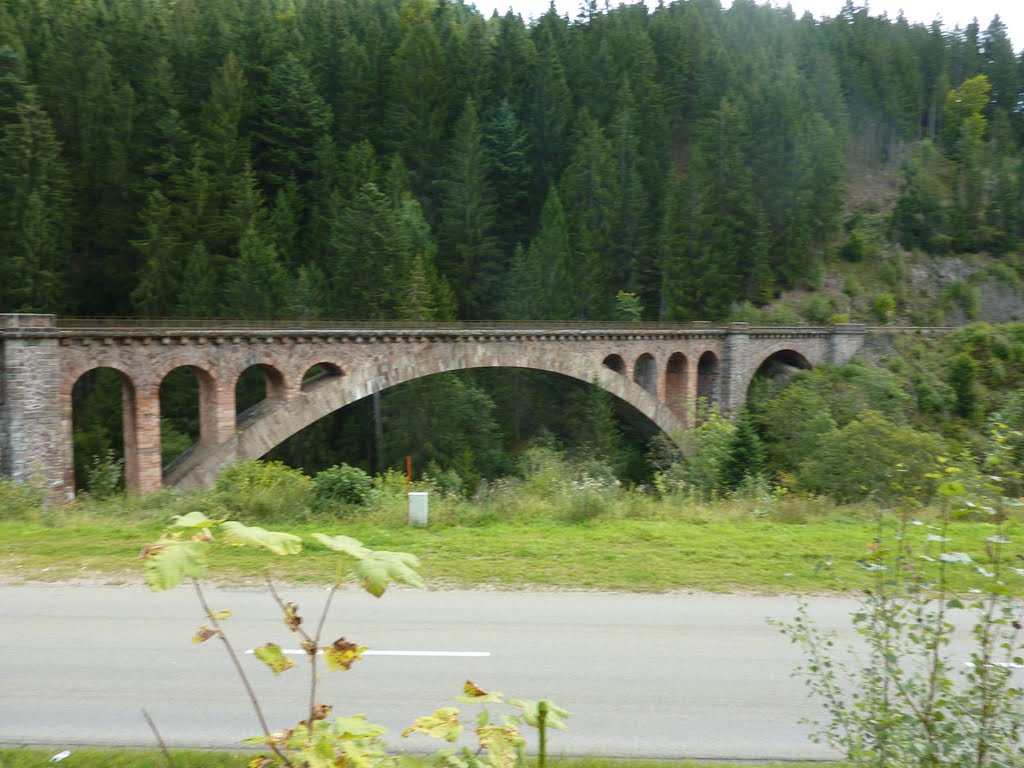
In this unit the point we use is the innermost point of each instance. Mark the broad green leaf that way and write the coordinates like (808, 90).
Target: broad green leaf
(357, 727)
(443, 724)
(221, 615)
(193, 520)
(952, 488)
(344, 544)
(380, 568)
(554, 715)
(359, 755)
(272, 655)
(170, 560)
(502, 743)
(318, 754)
(342, 654)
(474, 694)
(254, 536)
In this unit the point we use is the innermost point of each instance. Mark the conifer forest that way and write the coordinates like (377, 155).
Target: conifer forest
(415, 160)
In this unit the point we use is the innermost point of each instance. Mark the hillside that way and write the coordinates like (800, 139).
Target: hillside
(411, 159)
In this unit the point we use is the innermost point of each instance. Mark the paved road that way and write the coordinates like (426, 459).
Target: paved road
(665, 676)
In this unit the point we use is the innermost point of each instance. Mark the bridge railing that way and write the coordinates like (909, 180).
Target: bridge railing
(221, 323)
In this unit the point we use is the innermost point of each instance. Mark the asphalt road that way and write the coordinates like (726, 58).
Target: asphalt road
(665, 676)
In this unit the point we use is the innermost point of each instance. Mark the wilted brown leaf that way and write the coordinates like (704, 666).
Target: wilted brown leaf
(292, 620)
(203, 634)
(342, 654)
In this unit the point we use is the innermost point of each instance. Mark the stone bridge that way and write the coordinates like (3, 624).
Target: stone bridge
(660, 370)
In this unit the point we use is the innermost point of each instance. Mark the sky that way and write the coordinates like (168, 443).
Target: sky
(952, 12)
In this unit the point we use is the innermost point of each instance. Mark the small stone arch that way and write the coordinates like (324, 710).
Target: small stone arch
(209, 433)
(645, 372)
(319, 374)
(709, 379)
(616, 363)
(275, 388)
(129, 420)
(676, 370)
(783, 363)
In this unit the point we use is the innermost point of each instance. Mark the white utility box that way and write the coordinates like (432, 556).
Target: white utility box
(418, 507)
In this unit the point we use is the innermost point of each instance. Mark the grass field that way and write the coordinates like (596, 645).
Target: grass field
(718, 547)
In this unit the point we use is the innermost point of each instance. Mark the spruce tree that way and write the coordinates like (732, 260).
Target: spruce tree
(472, 259)
(745, 458)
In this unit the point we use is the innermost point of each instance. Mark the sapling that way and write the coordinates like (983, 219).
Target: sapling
(320, 741)
(901, 700)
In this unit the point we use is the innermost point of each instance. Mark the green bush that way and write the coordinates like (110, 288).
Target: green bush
(884, 307)
(871, 456)
(264, 491)
(21, 501)
(105, 475)
(817, 309)
(965, 297)
(343, 484)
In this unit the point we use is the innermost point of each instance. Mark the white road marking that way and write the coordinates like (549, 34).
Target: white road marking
(1005, 664)
(461, 654)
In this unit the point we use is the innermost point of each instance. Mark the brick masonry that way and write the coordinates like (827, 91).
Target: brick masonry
(661, 371)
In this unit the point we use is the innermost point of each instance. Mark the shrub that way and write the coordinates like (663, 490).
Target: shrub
(21, 501)
(884, 307)
(817, 309)
(343, 484)
(871, 456)
(851, 286)
(264, 490)
(965, 297)
(104, 476)
(902, 696)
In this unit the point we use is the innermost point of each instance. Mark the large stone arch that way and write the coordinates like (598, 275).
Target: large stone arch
(784, 355)
(280, 420)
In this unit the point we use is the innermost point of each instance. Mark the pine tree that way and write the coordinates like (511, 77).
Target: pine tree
(34, 209)
(293, 117)
(472, 258)
(199, 293)
(508, 151)
(257, 285)
(541, 282)
(745, 457)
(590, 191)
(159, 282)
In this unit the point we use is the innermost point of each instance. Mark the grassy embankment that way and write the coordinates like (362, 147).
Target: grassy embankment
(631, 542)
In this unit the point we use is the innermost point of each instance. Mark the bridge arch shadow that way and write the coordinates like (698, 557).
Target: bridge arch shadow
(783, 364)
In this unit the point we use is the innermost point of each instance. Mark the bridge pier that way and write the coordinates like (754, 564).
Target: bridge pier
(34, 447)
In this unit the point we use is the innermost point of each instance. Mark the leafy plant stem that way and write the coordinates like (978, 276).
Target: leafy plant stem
(316, 641)
(542, 730)
(311, 644)
(241, 672)
(159, 739)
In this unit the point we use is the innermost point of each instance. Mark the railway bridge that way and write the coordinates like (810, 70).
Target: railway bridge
(661, 370)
